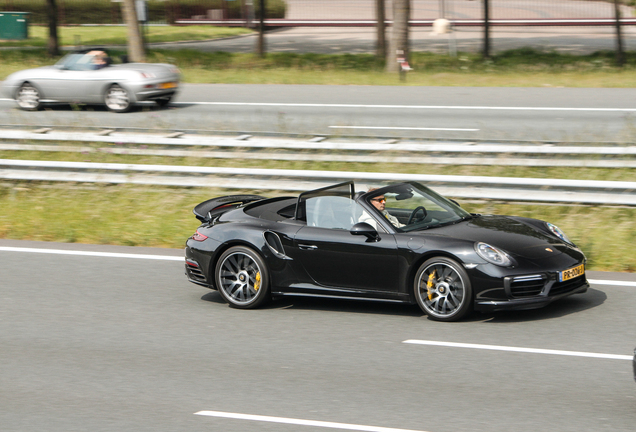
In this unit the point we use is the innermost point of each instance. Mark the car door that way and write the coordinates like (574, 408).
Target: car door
(70, 82)
(335, 258)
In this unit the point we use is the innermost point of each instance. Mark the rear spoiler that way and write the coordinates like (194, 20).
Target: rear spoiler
(207, 209)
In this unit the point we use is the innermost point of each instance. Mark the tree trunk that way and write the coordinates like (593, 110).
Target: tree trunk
(380, 49)
(486, 28)
(620, 55)
(260, 49)
(136, 51)
(399, 48)
(53, 46)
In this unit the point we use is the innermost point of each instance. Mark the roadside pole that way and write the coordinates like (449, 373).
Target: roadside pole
(486, 52)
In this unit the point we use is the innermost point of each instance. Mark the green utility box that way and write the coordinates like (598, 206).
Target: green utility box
(14, 25)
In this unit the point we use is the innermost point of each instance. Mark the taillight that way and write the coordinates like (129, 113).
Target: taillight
(197, 236)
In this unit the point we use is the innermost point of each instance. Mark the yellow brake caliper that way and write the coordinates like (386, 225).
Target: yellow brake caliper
(257, 284)
(429, 285)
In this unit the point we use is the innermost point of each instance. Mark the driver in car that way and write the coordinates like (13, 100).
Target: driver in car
(379, 202)
(99, 60)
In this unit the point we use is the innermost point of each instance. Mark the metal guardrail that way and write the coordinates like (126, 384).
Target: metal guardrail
(331, 157)
(164, 138)
(321, 148)
(476, 187)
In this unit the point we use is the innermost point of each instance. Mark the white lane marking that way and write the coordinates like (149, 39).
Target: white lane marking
(612, 282)
(516, 349)
(404, 128)
(427, 107)
(421, 107)
(88, 253)
(301, 422)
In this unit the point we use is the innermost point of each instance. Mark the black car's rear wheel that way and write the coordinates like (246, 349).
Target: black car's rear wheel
(117, 99)
(443, 289)
(28, 97)
(242, 278)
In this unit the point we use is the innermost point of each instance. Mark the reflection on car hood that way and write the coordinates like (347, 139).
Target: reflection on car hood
(511, 234)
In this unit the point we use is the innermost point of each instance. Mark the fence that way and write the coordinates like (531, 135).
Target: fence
(335, 12)
(424, 12)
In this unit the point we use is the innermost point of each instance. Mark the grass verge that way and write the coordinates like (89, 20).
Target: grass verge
(162, 217)
(515, 68)
(117, 35)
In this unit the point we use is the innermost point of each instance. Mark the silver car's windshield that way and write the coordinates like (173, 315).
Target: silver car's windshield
(412, 206)
(76, 62)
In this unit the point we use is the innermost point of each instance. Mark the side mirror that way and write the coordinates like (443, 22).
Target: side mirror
(363, 228)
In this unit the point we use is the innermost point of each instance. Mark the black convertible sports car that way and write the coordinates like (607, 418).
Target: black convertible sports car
(401, 242)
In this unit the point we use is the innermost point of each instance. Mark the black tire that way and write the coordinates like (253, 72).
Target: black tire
(242, 278)
(28, 97)
(443, 290)
(163, 102)
(117, 99)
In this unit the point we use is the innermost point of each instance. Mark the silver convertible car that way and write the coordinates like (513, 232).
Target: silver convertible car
(90, 77)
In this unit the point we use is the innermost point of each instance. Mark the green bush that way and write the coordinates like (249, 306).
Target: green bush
(72, 12)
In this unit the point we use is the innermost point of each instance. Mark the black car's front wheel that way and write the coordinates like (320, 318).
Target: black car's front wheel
(443, 290)
(28, 97)
(117, 99)
(242, 278)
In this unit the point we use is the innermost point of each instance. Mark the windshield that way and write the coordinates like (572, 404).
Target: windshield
(412, 206)
(83, 61)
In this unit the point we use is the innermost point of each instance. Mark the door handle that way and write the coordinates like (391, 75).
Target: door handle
(307, 247)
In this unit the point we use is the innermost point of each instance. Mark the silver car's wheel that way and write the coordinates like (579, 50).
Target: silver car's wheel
(117, 99)
(28, 97)
(242, 278)
(443, 289)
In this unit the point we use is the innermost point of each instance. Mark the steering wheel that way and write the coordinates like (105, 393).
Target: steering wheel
(414, 212)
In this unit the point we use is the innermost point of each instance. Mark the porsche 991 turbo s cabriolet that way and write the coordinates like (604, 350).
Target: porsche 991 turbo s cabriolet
(90, 76)
(401, 242)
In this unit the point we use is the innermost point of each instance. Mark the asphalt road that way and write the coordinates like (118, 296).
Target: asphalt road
(339, 40)
(120, 343)
(559, 114)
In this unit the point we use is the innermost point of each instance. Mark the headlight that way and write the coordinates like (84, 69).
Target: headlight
(493, 255)
(557, 232)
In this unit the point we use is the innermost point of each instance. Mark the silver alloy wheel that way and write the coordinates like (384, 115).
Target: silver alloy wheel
(117, 99)
(240, 278)
(442, 291)
(28, 97)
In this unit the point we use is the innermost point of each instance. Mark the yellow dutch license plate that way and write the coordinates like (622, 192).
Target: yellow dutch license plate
(571, 273)
(167, 85)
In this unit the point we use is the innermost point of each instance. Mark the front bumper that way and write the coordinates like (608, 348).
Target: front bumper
(531, 302)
